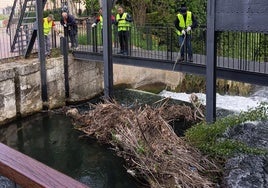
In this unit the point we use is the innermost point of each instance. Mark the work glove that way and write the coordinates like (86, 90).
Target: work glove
(183, 32)
(64, 25)
(188, 29)
(93, 25)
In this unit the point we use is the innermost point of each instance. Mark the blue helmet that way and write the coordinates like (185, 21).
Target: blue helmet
(65, 9)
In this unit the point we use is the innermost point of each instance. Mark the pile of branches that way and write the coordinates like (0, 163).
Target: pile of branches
(143, 137)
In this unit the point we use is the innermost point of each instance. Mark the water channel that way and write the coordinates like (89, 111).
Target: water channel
(50, 138)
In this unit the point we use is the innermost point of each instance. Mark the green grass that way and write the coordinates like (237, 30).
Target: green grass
(209, 137)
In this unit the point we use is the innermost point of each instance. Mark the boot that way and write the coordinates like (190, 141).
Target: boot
(181, 58)
(190, 58)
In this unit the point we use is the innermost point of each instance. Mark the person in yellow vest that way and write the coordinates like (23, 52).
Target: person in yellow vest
(123, 21)
(99, 21)
(48, 24)
(184, 23)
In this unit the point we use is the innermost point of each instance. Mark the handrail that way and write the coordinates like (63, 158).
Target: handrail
(28, 172)
(11, 15)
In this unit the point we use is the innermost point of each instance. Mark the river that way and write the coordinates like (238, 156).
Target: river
(51, 139)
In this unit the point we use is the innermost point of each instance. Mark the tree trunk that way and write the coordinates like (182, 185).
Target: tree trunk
(139, 11)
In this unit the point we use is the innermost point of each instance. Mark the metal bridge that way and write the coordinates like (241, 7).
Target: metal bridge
(232, 46)
(240, 56)
(235, 47)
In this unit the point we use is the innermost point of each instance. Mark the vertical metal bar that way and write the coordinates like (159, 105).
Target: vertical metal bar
(211, 68)
(94, 39)
(246, 53)
(171, 44)
(54, 39)
(130, 41)
(64, 48)
(107, 49)
(41, 50)
(228, 49)
(66, 36)
(88, 29)
(167, 31)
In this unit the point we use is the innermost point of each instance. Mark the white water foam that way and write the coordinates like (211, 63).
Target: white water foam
(228, 102)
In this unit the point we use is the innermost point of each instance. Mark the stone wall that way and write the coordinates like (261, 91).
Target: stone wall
(7, 94)
(140, 76)
(20, 83)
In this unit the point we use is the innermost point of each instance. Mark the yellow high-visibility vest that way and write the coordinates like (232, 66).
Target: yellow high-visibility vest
(123, 25)
(184, 24)
(101, 21)
(47, 26)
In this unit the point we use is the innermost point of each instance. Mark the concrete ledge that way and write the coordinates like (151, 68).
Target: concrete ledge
(6, 73)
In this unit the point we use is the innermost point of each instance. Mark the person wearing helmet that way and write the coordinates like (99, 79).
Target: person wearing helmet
(184, 23)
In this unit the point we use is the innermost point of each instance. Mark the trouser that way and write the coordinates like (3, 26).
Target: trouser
(123, 41)
(188, 45)
(47, 45)
(73, 39)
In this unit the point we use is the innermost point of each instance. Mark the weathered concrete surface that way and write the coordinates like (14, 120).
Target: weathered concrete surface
(20, 83)
(28, 94)
(85, 79)
(55, 83)
(7, 94)
(139, 76)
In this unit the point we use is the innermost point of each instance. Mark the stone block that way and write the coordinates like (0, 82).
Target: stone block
(7, 95)
(55, 83)
(85, 79)
(28, 83)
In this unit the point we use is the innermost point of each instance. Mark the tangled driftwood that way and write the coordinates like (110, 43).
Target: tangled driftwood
(148, 143)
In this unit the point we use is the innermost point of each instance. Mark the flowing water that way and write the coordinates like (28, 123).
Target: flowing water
(50, 139)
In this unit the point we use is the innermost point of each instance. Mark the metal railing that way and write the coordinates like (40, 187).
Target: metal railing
(235, 50)
(5, 41)
(155, 42)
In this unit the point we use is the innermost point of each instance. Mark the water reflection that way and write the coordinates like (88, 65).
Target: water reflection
(50, 139)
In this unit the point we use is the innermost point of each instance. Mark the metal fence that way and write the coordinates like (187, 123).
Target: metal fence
(235, 50)
(6, 38)
(150, 41)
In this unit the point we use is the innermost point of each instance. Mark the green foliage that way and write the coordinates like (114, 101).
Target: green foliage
(192, 83)
(82, 39)
(3, 17)
(92, 6)
(55, 12)
(209, 138)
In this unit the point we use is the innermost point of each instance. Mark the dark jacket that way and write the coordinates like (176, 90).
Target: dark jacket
(71, 24)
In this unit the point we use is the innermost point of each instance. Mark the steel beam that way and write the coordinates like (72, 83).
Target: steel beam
(211, 64)
(41, 49)
(192, 68)
(107, 49)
